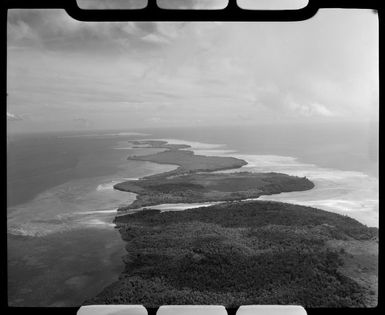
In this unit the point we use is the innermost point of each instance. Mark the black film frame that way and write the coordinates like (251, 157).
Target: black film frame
(152, 12)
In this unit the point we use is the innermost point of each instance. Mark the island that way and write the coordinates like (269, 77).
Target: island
(205, 187)
(187, 161)
(239, 251)
(194, 181)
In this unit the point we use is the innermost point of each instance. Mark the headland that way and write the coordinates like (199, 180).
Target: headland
(237, 252)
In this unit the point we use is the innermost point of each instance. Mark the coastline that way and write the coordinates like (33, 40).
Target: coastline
(96, 221)
(199, 256)
(349, 193)
(196, 181)
(69, 228)
(346, 192)
(116, 293)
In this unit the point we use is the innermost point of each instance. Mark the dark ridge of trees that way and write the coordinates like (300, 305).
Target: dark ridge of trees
(258, 213)
(210, 187)
(237, 253)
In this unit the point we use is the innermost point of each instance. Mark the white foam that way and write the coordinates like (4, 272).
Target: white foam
(36, 229)
(164, 207)
(345, 192)
(23, 231)
(98, 223)
(131, 178)
(97, 211)
(213, 152)
(109, 186)
(106, 186)
(72, 205)
(68, 206)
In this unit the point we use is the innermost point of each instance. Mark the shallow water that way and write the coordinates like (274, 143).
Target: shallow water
(78, 203)
(351, 193)
(62, 245)
(62, 269)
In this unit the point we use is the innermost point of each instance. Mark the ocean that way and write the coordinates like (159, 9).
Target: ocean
(62, 245)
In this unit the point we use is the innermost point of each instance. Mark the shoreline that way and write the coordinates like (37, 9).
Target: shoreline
(86, 230)
(193, 168)
(317, 197)
(188, 184)
(346, 192)
(83, 237)
(161, 243)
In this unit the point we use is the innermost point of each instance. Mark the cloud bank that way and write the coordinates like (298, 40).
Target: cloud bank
(140, 74)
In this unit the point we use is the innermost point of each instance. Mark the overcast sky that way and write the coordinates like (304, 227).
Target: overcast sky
(66, 75)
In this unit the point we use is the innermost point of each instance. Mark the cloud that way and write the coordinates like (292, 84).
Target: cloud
(55, 30)
(121, 74)
(309, 110)
(155, 38)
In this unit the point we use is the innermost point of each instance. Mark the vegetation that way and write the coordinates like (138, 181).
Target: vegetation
(188, 162)
(205, 187)
(192, 181)
(237, 253)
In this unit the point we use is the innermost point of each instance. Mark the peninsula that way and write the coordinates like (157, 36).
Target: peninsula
(237, 252)
(194, 180)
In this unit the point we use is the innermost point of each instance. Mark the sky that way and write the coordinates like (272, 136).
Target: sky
(63, 74)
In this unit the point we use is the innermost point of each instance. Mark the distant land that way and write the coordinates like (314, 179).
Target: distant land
(187, 161)
(193, 181)
(237, 252)
(204, 187)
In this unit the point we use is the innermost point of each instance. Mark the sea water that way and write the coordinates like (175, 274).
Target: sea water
(340, 159)
(62, 245)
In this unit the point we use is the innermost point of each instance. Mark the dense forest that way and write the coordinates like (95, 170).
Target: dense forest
(187, 161)
(204, 187)
(254, 252)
